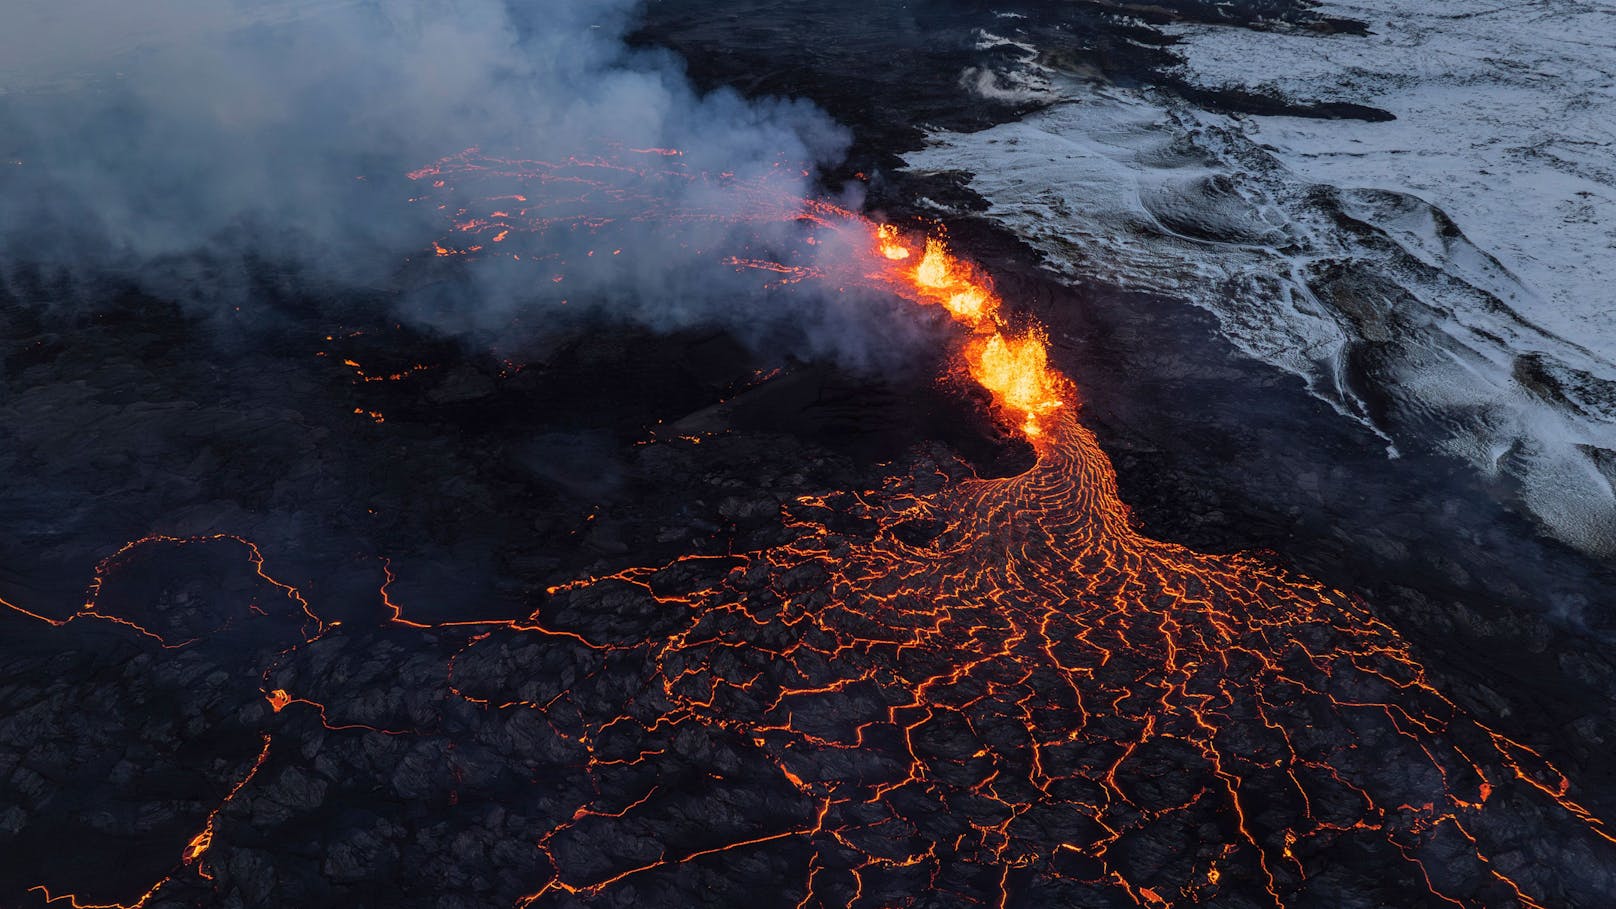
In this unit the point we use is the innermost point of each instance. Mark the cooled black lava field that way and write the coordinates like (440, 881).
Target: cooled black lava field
(791, 454)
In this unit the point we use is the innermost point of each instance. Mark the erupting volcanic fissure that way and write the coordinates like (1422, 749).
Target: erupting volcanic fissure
(959, 690)
(843, 249)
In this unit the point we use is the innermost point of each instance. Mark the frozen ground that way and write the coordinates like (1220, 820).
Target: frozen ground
(1441, 277)
(1506, 120)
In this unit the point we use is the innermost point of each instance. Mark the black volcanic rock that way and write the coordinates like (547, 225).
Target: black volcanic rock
(685, 725)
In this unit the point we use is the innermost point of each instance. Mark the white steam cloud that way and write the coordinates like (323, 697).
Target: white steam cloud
(173, 142)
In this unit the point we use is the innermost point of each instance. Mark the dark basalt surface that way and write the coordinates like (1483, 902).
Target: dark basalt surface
(598, 447)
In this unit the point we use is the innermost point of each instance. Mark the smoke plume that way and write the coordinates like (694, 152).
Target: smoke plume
(179, 143)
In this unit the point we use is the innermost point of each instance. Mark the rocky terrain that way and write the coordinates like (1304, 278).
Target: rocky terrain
(328, 607)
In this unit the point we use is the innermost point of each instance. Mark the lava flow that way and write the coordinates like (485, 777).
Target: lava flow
(1005, 676)
(962, 691)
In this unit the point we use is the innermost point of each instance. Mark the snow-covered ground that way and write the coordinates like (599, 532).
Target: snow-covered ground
(1444, 278)
(1506, 120)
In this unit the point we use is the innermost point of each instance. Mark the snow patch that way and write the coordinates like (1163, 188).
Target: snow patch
(1339, 283)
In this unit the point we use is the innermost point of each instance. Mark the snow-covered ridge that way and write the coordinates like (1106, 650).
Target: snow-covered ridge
(1443, 278)
(1506, 120)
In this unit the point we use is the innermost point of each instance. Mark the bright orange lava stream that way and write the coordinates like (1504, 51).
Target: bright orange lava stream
(1015, 369)
(1018, 696)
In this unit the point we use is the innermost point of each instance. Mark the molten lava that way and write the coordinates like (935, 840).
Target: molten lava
(887, 239)
(1015, 369)
(936, 269)
(989, 690)
(1017, 372)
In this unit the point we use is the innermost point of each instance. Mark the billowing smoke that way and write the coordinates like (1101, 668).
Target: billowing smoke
(181, 143)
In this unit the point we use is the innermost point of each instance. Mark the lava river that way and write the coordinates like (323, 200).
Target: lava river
(965, 691)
